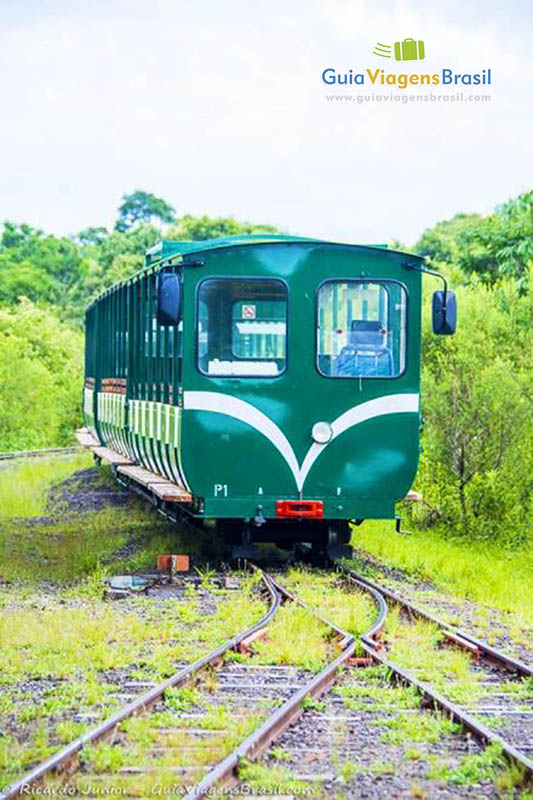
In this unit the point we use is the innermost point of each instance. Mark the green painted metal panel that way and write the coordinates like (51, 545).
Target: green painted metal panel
(234, 466)
(243, 442)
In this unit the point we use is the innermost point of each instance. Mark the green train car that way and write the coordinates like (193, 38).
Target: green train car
(275, 379)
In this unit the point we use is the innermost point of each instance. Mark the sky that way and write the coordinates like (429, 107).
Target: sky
(220, 109)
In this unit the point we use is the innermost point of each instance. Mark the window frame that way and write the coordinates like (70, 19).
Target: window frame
(368, 279)
(250, 278)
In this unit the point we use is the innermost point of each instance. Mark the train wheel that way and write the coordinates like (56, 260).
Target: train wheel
(338, 539)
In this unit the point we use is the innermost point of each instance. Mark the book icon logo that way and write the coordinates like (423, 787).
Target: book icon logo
(407, 50)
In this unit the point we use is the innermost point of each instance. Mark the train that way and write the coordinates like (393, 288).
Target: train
(264, 387)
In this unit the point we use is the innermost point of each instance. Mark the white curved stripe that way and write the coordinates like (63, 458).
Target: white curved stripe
(221, 403)
(390, 404)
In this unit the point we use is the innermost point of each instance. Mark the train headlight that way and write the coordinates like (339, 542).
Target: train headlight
(321, 432)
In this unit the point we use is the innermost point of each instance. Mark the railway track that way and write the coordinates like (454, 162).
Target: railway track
(494, 667)
(51, 451)
(262, 700)
(281, 692)
(259, 703)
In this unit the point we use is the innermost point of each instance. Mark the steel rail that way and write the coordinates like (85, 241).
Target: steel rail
(58, 761)
(34, 453)
(225, 773)
(510, 663)
(373, 648)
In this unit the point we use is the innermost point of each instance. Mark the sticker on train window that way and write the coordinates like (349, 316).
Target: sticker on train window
(242, 327)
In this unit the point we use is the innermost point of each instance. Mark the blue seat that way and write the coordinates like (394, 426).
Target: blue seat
(366, 354)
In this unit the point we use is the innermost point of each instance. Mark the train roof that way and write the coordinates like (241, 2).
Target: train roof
(167, 249)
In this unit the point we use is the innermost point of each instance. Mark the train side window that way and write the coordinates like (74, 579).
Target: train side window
(242, 327)
(361, 329)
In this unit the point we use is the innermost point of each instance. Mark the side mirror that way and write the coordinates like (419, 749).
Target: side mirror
(168, 308)
(444, 313)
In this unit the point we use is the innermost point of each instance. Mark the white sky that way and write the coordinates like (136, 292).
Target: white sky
(219, 108)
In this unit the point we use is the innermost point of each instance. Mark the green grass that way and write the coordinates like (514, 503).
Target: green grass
(66, 550)
(68, 648)
(65, 547)
(274, 780)
(24, 484)
(489, 764)
(423, 727)
(375, 688)
(417, 647)
(487, 574)
(295, 637)
(64, 648)
(351, 610)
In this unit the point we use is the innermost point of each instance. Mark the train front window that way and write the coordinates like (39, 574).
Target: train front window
(361, 329)
(242, 327)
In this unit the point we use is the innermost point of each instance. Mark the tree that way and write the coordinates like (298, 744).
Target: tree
(40, 398)
(93, 235)
(189, 228)
(441, 242)
(143, 207)
(476, 472)
(493, 247)
(115, 258)
(47, 269)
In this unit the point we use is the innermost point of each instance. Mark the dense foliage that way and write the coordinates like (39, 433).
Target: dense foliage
(476, 470)
(40, 378)
(475, 473)
(493, 247)
(45, 283)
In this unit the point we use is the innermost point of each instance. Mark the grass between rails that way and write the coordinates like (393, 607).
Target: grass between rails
(351, 610)
(296, 636)
(62, 660)
(417, 646)
(66, 652)
(487, 574)
(69, 549)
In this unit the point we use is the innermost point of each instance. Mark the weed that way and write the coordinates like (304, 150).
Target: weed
(348, 770)
(423, 727)
(294, 637)
(271, 779)
(382, 768)
(183, 699)
(279, 754)
(311, 703)
(413, 754)
(471, 769)
(377, 690)
(206, 577)
(103, 757)
(350, 609)
(68, 730)
(416, 646)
